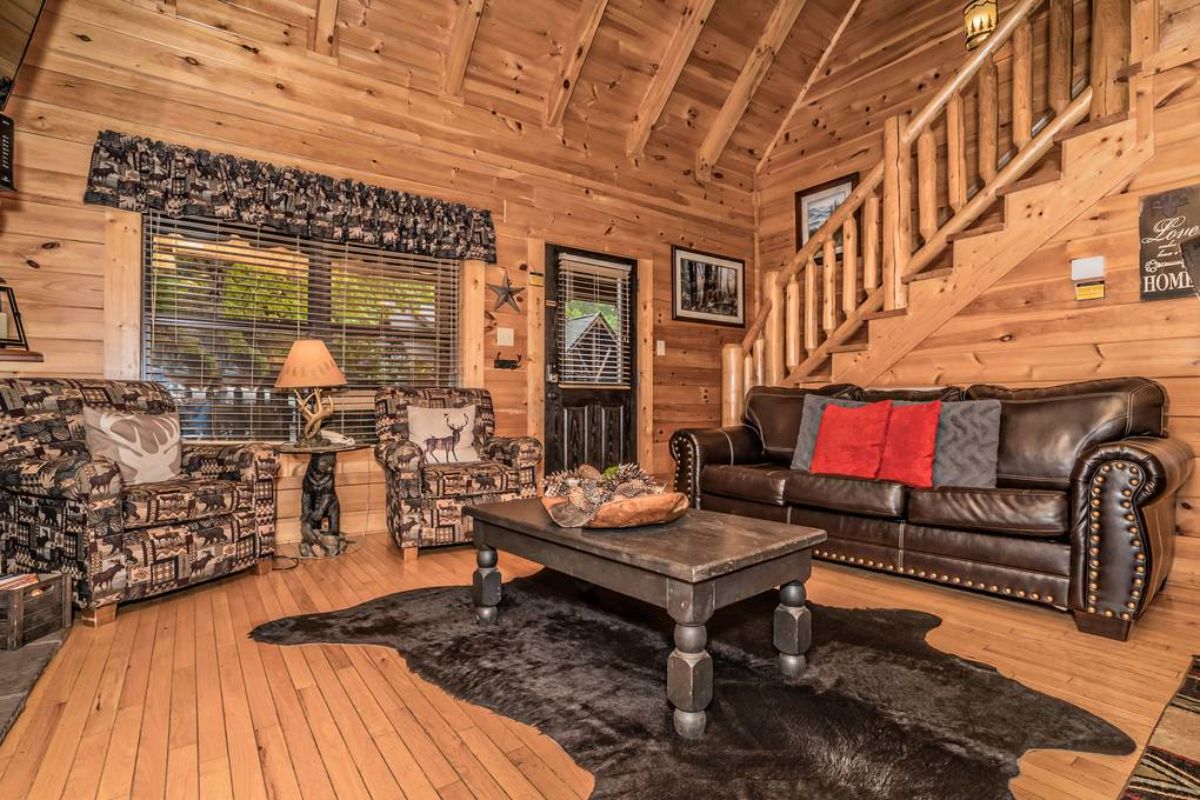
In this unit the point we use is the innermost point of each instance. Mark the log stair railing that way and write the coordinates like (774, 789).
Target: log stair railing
(876, 268)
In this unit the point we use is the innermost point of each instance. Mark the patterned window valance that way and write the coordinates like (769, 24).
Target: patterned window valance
(139, 174)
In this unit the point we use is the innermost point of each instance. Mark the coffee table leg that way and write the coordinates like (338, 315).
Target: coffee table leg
(486, 585)
(793, 628)
(690, 680)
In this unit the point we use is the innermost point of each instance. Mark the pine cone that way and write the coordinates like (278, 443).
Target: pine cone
(588, 472)
(577, 497)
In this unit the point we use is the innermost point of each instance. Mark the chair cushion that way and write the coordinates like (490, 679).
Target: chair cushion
(469, 479)
(1021, 512)
(182, 500)
(761, 482)
(870, 498)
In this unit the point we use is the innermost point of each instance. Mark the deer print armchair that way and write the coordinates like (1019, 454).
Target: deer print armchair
(432, 475)
(64, 510)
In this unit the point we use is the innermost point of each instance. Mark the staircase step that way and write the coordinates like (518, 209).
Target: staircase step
(1029, 183)
(928, 275)
(1090, 127)
(978, 230)
(852, 347)
(895, 312)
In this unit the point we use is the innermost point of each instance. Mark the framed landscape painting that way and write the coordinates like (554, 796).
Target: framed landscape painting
(817, 204)
(707, 288)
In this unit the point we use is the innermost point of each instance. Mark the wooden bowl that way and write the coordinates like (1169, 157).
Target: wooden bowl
(651, 509)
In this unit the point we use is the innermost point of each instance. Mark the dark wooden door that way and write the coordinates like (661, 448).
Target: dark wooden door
(591, 372)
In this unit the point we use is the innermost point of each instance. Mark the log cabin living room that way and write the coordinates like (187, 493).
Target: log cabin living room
(480, 398)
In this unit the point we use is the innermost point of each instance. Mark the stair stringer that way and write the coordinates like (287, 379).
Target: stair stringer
(1094, 165)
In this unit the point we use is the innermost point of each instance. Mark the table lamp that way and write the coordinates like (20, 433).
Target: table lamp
(309, 367)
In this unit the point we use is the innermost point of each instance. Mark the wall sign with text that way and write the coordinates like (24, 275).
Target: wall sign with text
(6, 154)
(1167, 220)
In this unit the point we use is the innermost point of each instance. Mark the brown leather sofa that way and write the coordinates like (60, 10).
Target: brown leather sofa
(1082, 519)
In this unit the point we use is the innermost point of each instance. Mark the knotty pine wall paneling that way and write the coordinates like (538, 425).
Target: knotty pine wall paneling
(1028, 330)
(234, 78)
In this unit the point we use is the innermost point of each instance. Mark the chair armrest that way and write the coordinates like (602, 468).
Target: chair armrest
(1123, 523)
(247, 463)
(80, 478)
(402, 461)
(516, 451)
(694, 448)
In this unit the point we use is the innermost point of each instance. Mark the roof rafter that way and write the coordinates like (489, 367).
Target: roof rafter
(808, 84)
(695, 14)
(590, 15)
(778, 26)
(462, 39)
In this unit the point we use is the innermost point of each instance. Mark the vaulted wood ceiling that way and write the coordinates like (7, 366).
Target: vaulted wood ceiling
(699, 87)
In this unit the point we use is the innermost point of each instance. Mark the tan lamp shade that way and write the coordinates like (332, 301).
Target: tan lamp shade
(308, 366)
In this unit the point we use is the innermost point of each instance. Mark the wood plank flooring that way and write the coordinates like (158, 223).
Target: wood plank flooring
(173, 700)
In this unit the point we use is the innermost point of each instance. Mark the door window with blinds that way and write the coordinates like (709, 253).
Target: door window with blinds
(593, 332)
(223, 302)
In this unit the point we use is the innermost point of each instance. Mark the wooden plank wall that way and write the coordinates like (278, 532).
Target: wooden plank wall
(211, 74)
(1029, 330)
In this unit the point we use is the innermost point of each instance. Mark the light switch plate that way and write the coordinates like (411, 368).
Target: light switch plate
(1087, 269)
(504, 337)
(660, 347)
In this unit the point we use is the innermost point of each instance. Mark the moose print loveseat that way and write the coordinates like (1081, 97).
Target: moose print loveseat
(425, 494)
(63, 510)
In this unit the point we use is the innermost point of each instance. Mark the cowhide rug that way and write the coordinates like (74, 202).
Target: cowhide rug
(878, 713)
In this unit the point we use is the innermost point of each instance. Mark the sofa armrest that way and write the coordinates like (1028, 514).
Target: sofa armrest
(80, 478)
(1123, 523)
(247, 463)
(516, 451)
(694, 448)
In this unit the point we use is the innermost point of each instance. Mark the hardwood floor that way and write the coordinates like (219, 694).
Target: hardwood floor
(174, 700)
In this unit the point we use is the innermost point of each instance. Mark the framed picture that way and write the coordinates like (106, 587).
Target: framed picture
(817, 204)
(707, 288)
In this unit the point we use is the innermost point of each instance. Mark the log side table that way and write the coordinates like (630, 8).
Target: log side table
(691, 567)
(320, 513)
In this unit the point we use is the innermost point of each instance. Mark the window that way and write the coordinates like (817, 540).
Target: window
(223, 302)
(593, 326)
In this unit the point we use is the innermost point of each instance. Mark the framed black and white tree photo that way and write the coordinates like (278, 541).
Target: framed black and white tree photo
(707, 288)
(817, 204)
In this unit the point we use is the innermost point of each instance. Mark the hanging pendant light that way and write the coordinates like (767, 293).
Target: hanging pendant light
(980, 18)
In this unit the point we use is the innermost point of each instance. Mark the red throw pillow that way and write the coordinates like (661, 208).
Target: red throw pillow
(911, 444)
(850, 440)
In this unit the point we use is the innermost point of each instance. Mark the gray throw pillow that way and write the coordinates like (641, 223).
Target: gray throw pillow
(810, 426)
(968, 444)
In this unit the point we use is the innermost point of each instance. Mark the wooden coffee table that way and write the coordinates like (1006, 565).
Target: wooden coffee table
(690, 567)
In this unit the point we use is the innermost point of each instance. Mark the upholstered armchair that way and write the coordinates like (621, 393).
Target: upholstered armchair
(64, 510)
(424, 498)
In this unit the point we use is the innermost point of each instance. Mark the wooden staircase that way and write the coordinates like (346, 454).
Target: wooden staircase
(922, 236)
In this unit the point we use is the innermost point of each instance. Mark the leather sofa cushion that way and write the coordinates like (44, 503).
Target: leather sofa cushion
(1045, 556)
(775, 412)
(1044, 431)
(870, 498)
(761, 482)
(946, 394)
(1019, 512)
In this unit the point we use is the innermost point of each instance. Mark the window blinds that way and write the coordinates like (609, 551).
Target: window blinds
(592, 323)
(223, 302)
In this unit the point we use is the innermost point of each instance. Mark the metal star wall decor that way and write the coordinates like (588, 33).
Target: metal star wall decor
(507, 294)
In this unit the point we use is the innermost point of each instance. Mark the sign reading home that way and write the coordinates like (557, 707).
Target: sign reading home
(1167, 220)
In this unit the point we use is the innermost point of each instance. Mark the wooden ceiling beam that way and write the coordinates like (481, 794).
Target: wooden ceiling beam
(695, 14)
(808, 84)
(462, 39)
(783, 17)
(590, 15)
